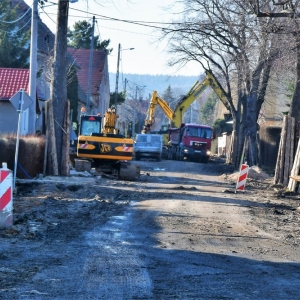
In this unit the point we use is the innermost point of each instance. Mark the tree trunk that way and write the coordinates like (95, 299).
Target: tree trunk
(295, 107)
(65, 167)
(53, 167)
(59, 79)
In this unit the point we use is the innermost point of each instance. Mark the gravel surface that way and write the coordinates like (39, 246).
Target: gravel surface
(179, 232)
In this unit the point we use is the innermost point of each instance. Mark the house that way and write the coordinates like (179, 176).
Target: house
(98, 101)
(11, 81)
(99, 84)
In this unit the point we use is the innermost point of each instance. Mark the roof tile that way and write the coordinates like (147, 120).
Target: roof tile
(82, 57)
(12, 80)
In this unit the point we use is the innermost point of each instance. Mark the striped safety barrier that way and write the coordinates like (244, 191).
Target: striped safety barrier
(241, 182)
(6, 197)
(126, 148)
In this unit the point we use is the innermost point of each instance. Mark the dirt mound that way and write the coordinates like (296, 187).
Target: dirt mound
(254, 173)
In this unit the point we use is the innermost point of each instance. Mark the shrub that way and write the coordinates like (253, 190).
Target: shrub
(31, 154)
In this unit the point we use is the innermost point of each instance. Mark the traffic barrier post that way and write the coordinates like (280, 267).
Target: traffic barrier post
(241, 182)
(6, 196)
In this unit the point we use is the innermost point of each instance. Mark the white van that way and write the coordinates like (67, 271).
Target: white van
(148, 146)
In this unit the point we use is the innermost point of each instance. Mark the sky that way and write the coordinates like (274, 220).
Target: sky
(148, 56)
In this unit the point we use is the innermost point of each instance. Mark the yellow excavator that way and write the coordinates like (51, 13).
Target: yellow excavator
(176, 116)
(193, 94)
(100, 146)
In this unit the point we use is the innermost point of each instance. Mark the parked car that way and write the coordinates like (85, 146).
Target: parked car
(148, 146)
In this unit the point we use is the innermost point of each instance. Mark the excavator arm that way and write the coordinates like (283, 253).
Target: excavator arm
(154, 101)
(194, 93)
(176, 116)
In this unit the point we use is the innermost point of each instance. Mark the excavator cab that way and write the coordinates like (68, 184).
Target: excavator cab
(90, 125)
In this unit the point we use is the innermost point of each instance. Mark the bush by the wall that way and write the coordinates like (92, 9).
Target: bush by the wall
(31, 154)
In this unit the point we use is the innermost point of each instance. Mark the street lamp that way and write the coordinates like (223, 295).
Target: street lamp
(117, 74)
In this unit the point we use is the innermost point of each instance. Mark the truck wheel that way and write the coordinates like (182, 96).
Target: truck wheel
(173, 155)
(158, 158)
(181, 157)
(137, 156)
(205, 159)
(169, 155)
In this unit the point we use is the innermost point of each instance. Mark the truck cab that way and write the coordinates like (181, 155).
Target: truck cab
(191, 142)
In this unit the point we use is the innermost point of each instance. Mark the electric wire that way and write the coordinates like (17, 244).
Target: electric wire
(15, 31)
(47, 14)
(117, 29)
(17, 20)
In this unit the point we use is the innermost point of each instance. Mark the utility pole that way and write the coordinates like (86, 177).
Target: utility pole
(134, 112)
(58, 91)
(123, 107)
(117, 77)
(88, 96)
(33, 67)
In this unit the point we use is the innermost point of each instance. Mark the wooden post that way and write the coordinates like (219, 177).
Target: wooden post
(278, 178)
(287, 153)
(295, 169)
(65, 167)
(292, 158)
(231, 148)
(53, 152)
(46, 138)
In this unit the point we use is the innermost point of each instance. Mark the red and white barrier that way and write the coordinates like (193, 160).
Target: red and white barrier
(241, 182)
(6, 197)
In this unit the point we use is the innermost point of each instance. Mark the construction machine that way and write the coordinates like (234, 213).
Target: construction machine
(150, 119)
(191, 141)
(194, 93)
(184, 103)
(100, 146)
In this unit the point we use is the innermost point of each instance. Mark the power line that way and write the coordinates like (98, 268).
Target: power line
(47, 14)
(15, 31)
(135, 22)
(17, 20)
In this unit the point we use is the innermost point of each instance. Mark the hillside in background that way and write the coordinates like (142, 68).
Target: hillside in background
(180, 84)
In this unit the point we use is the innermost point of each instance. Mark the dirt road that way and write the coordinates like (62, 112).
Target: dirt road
(177, 233)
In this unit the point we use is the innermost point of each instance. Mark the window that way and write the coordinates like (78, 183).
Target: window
(155, 139)
(199, 132)
(142, 138)
(89, 127)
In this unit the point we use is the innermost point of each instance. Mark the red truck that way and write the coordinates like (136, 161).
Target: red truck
(190, 141)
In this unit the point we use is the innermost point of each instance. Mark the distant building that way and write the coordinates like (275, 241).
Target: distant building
(100, 92)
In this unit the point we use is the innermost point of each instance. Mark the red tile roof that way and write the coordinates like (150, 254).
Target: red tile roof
(82, 57)
(12, 80)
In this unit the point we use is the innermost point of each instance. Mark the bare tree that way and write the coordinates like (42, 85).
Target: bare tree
(224, 38)
(285, 21)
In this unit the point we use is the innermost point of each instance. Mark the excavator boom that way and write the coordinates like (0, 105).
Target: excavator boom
(154, 101)
(176, 116)
(194, 93)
